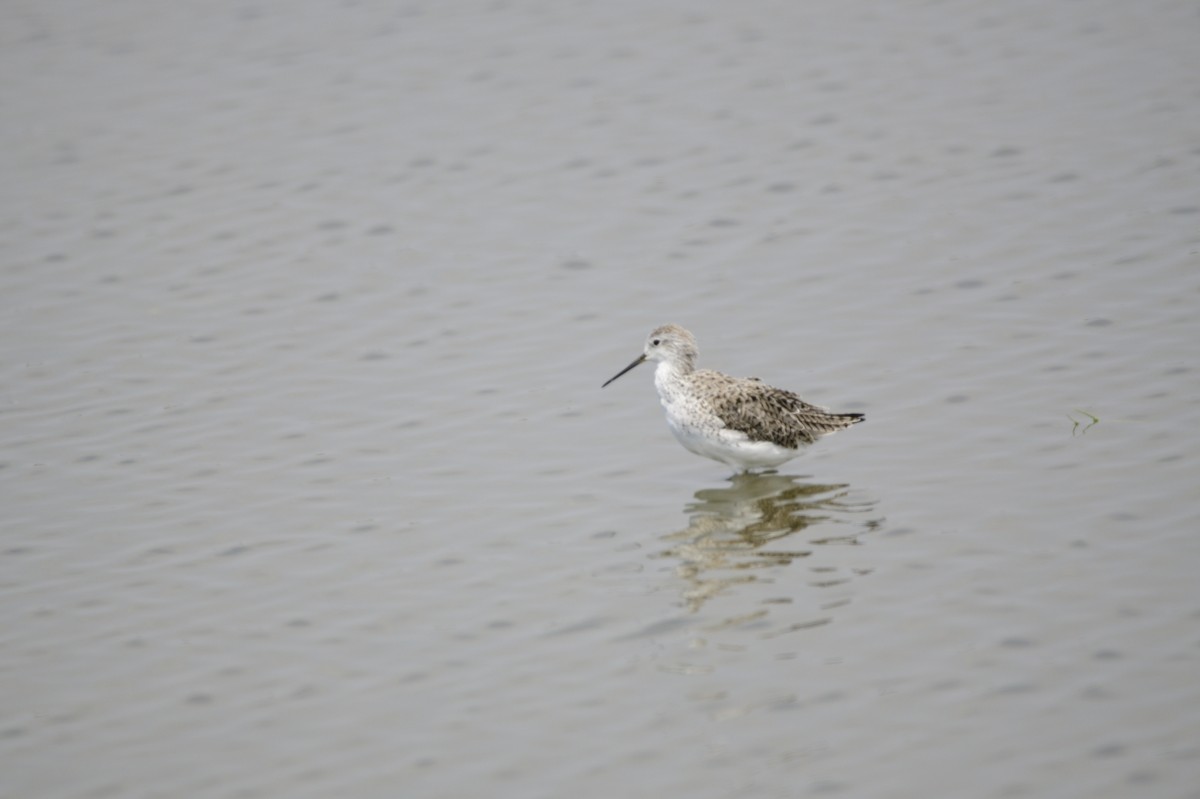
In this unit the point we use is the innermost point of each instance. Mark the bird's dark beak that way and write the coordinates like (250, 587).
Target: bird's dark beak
(640, 358)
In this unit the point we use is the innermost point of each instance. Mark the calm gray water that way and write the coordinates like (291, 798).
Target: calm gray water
(309, 487)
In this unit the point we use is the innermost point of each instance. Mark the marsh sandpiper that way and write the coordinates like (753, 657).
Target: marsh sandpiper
(741, 422)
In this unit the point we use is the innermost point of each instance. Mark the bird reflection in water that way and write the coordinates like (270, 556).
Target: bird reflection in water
(736, 532)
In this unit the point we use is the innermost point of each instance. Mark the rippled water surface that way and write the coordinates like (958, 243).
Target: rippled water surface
(309, 487)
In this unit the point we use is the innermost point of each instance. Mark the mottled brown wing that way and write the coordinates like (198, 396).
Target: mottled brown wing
(771, 414)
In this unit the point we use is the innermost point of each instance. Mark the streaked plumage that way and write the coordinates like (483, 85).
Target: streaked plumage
(741, 422)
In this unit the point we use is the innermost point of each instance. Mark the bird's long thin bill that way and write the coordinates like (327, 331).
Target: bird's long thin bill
(640, 358)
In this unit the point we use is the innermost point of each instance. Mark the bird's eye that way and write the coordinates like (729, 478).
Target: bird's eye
(654, 343)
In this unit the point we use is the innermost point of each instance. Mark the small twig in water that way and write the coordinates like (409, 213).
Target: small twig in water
(1077, 430)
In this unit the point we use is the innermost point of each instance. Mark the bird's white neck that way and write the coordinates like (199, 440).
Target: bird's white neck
(669, 373)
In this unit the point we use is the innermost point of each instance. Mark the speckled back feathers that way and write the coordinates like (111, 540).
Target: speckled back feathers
(766, 413)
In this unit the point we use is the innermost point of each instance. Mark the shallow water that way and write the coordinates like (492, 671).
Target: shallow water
(309, 486)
